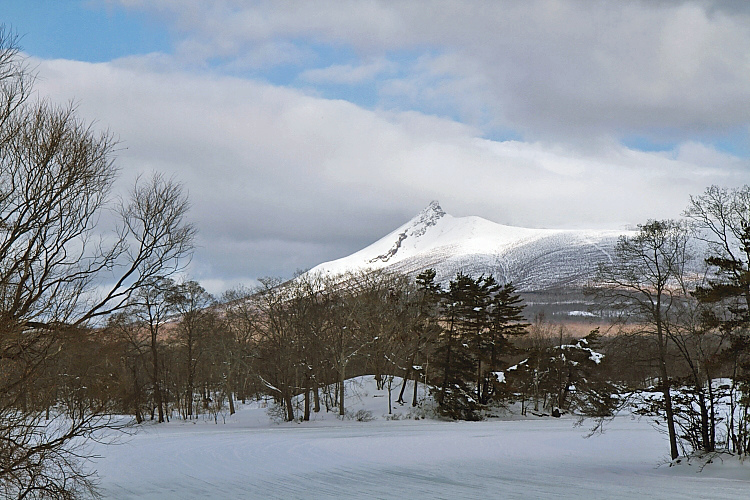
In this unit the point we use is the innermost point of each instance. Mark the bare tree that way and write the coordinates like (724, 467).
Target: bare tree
(348, 334)
(60, 270)
(645, 282)
(241, 323)
(277, 352)
(153, 305)
(126, 334)
(192, 302)
(722, 219)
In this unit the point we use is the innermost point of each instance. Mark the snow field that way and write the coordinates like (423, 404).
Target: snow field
(252, 456)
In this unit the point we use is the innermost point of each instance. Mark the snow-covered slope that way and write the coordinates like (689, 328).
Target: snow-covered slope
(533, 259)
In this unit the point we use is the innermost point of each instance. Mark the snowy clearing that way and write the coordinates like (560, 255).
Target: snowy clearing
(252, 457)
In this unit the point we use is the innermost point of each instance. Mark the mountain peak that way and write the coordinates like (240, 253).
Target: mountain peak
(433, 210)
(533, 259)
(426, 218)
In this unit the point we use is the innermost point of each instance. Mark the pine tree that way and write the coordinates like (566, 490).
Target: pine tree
(506, 320)
(455, 357)
(480, 315)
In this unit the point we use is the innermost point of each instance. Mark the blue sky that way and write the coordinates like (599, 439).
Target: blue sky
(84, 30)
(306, 130)
(91, 31)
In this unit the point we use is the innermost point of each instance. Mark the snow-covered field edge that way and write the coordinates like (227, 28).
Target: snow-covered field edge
(402, 454)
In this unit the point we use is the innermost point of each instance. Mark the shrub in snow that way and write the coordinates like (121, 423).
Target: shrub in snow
(361, 416)
(701, 416)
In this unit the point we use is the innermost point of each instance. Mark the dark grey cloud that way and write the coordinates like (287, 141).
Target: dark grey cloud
(548, 68)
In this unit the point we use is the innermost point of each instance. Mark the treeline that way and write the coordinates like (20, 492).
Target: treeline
(176, 352)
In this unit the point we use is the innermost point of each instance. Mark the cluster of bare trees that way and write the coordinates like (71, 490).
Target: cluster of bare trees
(173, 351)
(62, 271)
(161, 360)
(316, 331)
(683, 294)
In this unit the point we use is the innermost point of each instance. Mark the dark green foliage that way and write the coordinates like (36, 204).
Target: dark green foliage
(479, 317)
(506, 321)
(585, 387)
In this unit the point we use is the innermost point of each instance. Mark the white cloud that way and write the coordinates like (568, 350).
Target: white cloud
(552, 69)
(280, 180)
(346, 73)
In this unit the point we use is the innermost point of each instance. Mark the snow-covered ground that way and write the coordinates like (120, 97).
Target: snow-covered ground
(252, 456)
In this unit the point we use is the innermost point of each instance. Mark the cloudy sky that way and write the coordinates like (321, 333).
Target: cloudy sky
(306, 130)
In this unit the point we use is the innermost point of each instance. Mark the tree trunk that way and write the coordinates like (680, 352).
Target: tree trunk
(389, 382)
(341, 389)
(289, 409)
(705, 436)
(136, 397)
(316, 396)
(190, 388)
(480, 395)
(416, 380)
(165, 400)
(712, 437)
(565, 391)
(400, 399)
(665, 385)
(446, 375)
(306, 416)
(230, 398)
(157, 393)
(189, 400)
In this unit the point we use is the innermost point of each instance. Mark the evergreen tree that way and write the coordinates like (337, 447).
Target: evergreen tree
(722, 218)
(506, 320)
(480, 316)
(455, 357)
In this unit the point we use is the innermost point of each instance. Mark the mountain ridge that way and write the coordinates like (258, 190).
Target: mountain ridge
(533, 259)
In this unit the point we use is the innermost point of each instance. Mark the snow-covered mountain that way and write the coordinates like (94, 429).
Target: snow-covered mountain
(533, 259)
